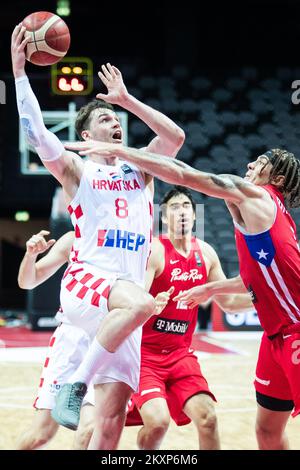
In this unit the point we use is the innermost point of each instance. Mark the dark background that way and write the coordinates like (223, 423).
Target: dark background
(212, 39)
(160, 33)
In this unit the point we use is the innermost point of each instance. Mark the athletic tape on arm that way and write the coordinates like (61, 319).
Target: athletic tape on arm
(46, 144)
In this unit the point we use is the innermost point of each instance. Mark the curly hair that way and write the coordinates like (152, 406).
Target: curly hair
(286, 164)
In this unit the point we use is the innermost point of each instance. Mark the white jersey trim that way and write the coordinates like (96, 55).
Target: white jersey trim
(272, 286)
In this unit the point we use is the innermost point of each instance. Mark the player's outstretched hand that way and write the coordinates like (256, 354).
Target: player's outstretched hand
(112, 78)
(38, 244)
(194, 296)
(88, 147)
(162, 299)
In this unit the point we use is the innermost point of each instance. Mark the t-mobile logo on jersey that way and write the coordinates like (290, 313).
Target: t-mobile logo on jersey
(175, 327)
(178, 275)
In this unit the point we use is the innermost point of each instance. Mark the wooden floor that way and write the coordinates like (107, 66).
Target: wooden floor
(230, 377)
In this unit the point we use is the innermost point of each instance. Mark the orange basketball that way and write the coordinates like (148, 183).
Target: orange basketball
(50, 38)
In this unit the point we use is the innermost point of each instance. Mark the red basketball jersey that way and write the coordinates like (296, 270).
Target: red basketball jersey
(174, 327)
(270, 268)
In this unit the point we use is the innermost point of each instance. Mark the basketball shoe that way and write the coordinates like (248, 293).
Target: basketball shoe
(68, 403)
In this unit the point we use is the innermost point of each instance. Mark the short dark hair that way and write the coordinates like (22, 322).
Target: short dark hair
(84, 114)
(176, 191)
(286, 164)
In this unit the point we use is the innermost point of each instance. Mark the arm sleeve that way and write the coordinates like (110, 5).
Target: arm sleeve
(46, 144)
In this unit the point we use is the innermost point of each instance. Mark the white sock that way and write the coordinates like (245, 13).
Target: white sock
(96, 357)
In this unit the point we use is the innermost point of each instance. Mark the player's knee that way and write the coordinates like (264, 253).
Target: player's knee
(265, 433)
(144, 306)
(208, 420)
(158, 424)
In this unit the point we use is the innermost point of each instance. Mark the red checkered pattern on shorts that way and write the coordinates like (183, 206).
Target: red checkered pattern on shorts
(97, 285)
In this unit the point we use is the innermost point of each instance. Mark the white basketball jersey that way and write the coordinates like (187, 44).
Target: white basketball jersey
(112, 215)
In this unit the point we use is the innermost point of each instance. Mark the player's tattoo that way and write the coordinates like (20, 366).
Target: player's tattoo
(228, 181)
(182, 164)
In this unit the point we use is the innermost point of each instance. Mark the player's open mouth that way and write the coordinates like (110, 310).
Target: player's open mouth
(117, 136)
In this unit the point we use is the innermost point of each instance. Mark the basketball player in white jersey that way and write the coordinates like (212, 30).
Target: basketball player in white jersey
(67, 346)
(110, 204)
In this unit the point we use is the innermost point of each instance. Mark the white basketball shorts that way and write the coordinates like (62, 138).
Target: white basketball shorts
(67, 348)
(83, 296)
(84, 300)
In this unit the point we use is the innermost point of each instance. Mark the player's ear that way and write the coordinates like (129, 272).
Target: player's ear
(278, 181)
(85, 135)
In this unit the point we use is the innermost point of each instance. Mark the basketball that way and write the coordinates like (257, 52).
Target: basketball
(50, 38)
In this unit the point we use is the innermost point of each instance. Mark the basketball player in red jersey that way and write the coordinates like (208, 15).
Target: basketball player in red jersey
(171, 381)
(111, 206)
(269, 259)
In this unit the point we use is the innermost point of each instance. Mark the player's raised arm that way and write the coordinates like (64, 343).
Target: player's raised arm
(169, 136)
(65, 166)
(32, 272)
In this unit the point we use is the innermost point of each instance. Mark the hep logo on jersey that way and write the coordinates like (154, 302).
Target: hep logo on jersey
(120, 239)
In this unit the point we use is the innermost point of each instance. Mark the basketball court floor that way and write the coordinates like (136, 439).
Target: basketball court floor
(227, 360)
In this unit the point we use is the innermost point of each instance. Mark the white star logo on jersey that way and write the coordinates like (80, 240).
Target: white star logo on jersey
(262, 254)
